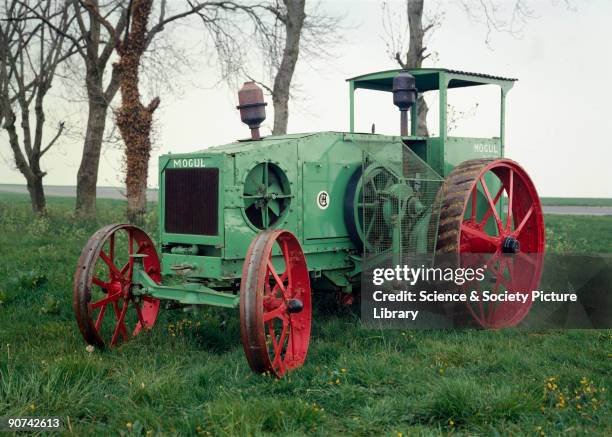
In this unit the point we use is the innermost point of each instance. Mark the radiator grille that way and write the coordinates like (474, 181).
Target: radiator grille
(192, 201)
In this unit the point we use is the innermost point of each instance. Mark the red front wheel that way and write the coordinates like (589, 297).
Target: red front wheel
(275, 305)
(106, 310)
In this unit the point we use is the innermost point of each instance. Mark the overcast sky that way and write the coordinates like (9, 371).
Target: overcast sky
(559, 122)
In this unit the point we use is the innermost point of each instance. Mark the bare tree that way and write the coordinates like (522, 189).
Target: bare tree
(97, 33)
(416, 54)
(286, 30)
(134, 118)
(496, 16)
(95, 47)
(30, 53)
(292, 15)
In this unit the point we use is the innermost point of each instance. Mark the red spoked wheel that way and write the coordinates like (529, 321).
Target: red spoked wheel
(491, 216)
(106, 310)
(275, 304)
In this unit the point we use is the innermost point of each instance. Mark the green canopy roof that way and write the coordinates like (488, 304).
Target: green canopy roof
(427, 79)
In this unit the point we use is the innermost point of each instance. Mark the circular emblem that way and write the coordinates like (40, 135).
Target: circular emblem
(323, 199)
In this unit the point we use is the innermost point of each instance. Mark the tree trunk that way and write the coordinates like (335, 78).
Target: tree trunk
(416, 55)
(281, 113)
(87, 177)
(133, 118)
(137, 204)
(134, 122)
(30, 168)
(422, 117)
(294, 22)
(37, 194)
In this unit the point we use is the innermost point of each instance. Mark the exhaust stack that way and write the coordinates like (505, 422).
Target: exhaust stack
(252, 107)
(404, 96)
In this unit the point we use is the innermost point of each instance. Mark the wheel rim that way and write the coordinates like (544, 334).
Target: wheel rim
(509, 241)
(275, 283)
(106, 310)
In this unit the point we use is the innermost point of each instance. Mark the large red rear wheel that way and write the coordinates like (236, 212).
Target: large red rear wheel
(275, 305)
(491, 215)
(106, 310)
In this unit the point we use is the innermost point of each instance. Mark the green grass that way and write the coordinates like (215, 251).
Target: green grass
(355, 381)
(576, 201)
(579, 234)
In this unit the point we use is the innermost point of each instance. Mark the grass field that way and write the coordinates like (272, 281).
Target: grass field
(576, 201)
(355, 381)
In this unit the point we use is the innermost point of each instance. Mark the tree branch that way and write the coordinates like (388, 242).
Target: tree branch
(60, 129)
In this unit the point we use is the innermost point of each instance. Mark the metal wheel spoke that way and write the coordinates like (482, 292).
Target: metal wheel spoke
(118, 315)
(510, 267)
(111, 265)
(476, 233)
(100, 317)
(499, 274)
(492, 203)
(525, 257)
(287, 274)
(272, 302)
(491, 261)
(278, 280)
(283, 277)
(103, 285)
(280, 345)
(272, 335)
(105, 300)
(120, 325)
(489, 211)
(520, 227)
(277, 313)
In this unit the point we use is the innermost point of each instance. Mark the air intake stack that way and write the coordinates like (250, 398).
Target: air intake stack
(252, 107)
(404, 96)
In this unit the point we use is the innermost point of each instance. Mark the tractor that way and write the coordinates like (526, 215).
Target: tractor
(258, 223)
